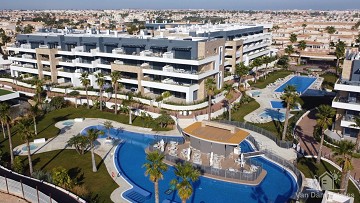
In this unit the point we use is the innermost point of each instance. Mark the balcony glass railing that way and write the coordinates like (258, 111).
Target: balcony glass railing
(349, 100)
(348, 82)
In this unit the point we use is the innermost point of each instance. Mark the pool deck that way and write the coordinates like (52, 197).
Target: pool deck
(268, 94)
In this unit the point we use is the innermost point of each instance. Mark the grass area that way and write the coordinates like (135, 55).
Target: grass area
(310, 169)
(272, 77)
(4, 92)
(79, 167)
(329, 80)
(244, 110)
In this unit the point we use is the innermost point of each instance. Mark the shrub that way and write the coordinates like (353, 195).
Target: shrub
(81, 191)
(18, 165)
(42, 175)
(159, 98)
(61, 177)
(57, 102)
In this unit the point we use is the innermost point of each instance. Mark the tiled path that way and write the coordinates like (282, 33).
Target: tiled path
(307, 142)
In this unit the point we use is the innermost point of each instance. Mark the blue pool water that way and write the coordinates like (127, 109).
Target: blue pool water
(279, 105)
(68, 123)
(130, 157)
(255, 94)
(302, 83)
(32, 147)
(273, 114)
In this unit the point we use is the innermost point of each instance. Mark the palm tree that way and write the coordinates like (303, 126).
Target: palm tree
(33, 112)
(164, 119)
(324, 119)
(293, 38)
(155, 167)
(344, 153)
(330, 30)
(8, 122)
(266, 60)
(186, 174)
(4, 111)
(357, 125)
(304, 25)
(301, 46)
(92, 135)
(27, 134)
(108, 125)
(255, 64)
(228, 96)
(339, 53)
(75, 94)
(128, 102)
(115, 76)
(290, 98)
(241, 70)
(276, 28)
(210, 87)
(38, 89)
(85, 82)
(289, 50)
(100, 81)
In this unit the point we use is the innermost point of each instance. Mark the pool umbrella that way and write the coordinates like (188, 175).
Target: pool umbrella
(188, 154)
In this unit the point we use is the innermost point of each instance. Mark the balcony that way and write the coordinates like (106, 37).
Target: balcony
(347, 85)
(258, 53)
(349, 103)
(257, 45)
(348, 121)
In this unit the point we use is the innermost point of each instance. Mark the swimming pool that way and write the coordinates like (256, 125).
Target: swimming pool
(279, 105)
(130, 157)
(68, 123)
(273, 115)
(32, 147)
(302, 83)
(256, 93)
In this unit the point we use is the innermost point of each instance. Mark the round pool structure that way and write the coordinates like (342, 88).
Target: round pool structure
(32, 147)
(277, 187)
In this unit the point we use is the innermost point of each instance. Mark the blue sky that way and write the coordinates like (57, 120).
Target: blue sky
(184, 4)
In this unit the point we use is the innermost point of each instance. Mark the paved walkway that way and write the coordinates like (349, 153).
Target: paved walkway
(6, 198)
(305, 130)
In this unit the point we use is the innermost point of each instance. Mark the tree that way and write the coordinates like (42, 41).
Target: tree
(304, 25)
(115, 76)
(324, 119)
(289, 50)
(293, 38)
(128, 102)
(186, 174)
(79, 142)
(241, 70)
(228, 96)
(108, 125)
(301, 46)
(8, 121)
(255, 64)
(344, 153)
(100, 81)
(266, 60)
(27, 134)
(283, 62)
(33, 112)
(61, 177)
(290, 98)
(154, 168)
(85, 82)
(276, 28)
(330, 30)
(4, 111)
(210, 87)
(38, 83)
(57, 102)
(92, 135)
(28, 29)
(164, 120)
(75, 94)
(357, 125)
(339, 53)
(18, 165)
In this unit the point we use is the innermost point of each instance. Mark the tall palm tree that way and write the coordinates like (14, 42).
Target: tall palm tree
(289, 50)
(155, 167)
(255, 64)
(290, 98)
(339, 53)
(241, 70)
(100, 81)
(108, 125)
(186, 174)
(266, 60)
(301, 46)
(33, 112)
(330, 30)
(344, 153)
(293, 38)
(92, 135)
(228, 96)
(115, 76)
(8, 122)
(85, 82)
(128, 102)
(210, 87)
(39, 83)
(27, 134)
(324, 119)
(304, 25)
(4, 111)
(357, 125)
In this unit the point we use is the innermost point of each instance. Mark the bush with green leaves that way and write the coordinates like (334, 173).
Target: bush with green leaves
(18, 165)
(57, 102)
(61, 177)
(42, 175)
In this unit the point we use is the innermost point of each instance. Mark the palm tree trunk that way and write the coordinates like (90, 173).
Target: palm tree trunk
(156, 185)
(101, 96)
(29, 157)
(209, 113)
(35, 127)
(320, 148)
(347, 177)
(93, 158)
(87, 98)
(229, 111)
(130, 119)
(75, 102)
(115, 99)
(10, 145)
(286, 122)
(3, 129)
(266, 68)
(357, 142)
(299, 62)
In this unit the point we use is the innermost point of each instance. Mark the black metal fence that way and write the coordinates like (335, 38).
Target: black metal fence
(280, 143)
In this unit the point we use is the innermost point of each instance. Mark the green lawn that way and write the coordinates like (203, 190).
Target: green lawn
(310, 168)
(329, 80)
(244, 110)
(272, 77)
(99, 184)
(4, 92)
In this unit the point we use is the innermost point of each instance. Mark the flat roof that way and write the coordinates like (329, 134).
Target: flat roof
(216, 132)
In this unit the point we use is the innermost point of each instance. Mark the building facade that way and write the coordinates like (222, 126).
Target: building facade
(177, 59)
